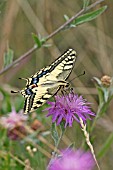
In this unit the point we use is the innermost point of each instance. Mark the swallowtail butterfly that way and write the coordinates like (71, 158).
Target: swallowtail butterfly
(46, 82)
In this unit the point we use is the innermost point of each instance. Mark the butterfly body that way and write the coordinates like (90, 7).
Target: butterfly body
(46, 82)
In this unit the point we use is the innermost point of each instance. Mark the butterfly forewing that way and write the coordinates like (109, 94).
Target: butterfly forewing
(62, 67)
(59, 69)
(45, 83)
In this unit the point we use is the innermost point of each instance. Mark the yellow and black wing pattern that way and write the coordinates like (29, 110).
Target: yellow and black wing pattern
(45, 83)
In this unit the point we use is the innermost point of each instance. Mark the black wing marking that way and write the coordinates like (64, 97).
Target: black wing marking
(60, 69)
(36, 100)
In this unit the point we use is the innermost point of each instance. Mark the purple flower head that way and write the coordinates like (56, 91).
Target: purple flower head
(14, 123)
(69, 108)
(73, 160)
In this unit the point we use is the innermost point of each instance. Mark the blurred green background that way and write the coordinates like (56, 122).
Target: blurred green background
(93, 42)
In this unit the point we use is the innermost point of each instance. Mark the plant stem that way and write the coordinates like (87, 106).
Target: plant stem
(22, 57)
(87, 139)
(96, 118)
(56, 149)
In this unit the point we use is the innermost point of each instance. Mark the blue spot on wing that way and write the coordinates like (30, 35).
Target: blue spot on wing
(28, 91)
(35, 80)
(43, 73)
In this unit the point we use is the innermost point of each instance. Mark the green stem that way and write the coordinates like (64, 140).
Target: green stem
(56, 148)
(57, 144)
(96, 118)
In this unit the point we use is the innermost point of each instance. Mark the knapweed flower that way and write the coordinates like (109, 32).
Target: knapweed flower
(106, 80)
(13, 119)
(14, 123)
(73, 160)
(69, 108)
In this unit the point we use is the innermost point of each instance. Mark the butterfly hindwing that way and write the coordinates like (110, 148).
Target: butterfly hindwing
(37, 99)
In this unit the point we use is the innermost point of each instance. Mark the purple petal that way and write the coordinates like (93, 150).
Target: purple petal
(69, 108)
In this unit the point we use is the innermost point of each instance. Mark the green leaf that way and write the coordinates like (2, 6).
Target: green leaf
(71, 146)
(104, 107)
(66, 17)
(54, 133)
(106, 146)
(89, 16)
(100, 94)
(62, 127)
(97, 81)
(106, 94)
(8, 57)
(47, 45)
(110, 98)
(37, 40)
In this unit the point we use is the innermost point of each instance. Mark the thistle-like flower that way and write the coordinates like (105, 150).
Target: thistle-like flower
(14, 122)
(73, 160)
(69, 108)
(106, 81)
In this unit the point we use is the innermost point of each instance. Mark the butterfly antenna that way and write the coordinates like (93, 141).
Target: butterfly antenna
(77, 76)
(14, 91)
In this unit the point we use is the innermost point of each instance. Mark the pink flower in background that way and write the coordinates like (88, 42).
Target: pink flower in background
(73, 160)
(15, 124)
(69, 108)
(13, 119)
